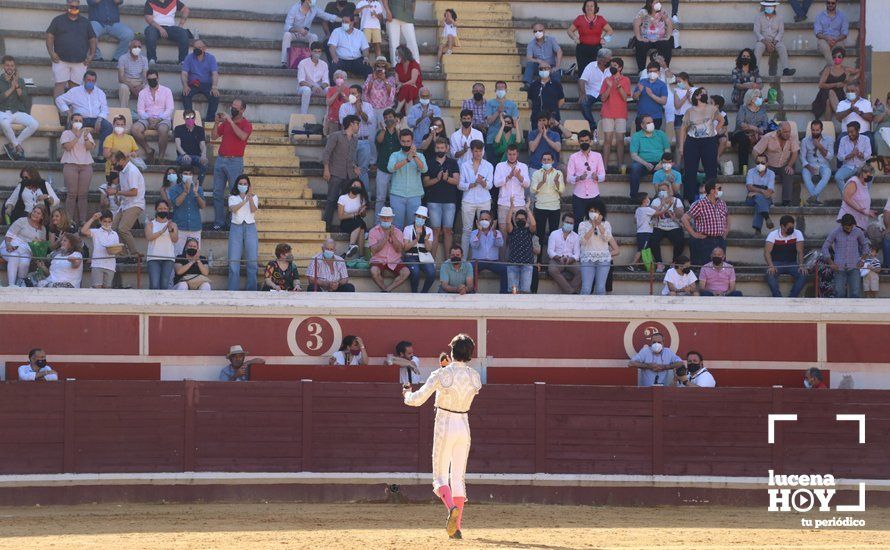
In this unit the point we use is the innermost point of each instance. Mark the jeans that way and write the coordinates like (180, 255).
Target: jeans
(579, 209)
(225, 170)
(587, 111)
(800, 279)
(175, 34)
(841, 177)
(160, 273)
(520, 277)
(801, 7)
(531, 71)
(442, 214)
(383, 179)
(428, 270)
(847, 283)
(8, 118)
(105, 130)
(498, 269)
(697, 150)
(243, 241)
(700, 249)
(593, 277)
(824, 177)
(123, 33)
(761, 206)
(364, 157)
(637, 171)
(204, 90)
(194, 162)
(886, 247)
(403, 209)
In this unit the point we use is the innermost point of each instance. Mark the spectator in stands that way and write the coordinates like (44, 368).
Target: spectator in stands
(312, 76)
(352, 352)
(161, 17)
(486, 242)
(696, 374)
(327, 271)
(418, 240)
(542, 50)
(367, 130)
(814, 379)
(476, 181)
(15, 108)
(102, 263)
(155, 109)
(335, 97)
(832, 83)
(745, 77)
(614, 95)
(380, 87)
(852, 152)
(655, 363)
(783, 252)
(856, 198)
(717, 277)
(31, 191)
(547, 187)
(597, 248)
(723, 133)
(66, 264)
(405, 357)
(386, 143)
(428, 143)
(665, 172)
(770, 30)
(191, 269)
(476, 105)
(59, 224)
(349, 49)
(132, 70)
(400, 22)
(781, 150)
(298, 28)
(77, 166)
(520, 244)
(850, 245)
(71, 44)
(585, 170)
(590, 31)
(243, 239)
(651, 95)
(187, 200)
(161, 234)
(337, 8)
(564, 251)
(370, 13)
(871, 271)
(410, 86)
(590, 84)
(496, 110)
(191, 145)
(885, 216)
(387, 244)
(508, 134)
(339, 163)
(511, 177)
(653, 28)
(647, 148)
(442, 195)
(546, 95)
(643, 218)
(680, 279)
(816, 152)
(281, 273)
(463, 138)
(751, 123)
(697, 142)
(119, 140)
(37, 370)
(831, 29)
(132, 190)
(420, 115)
(200, 76)
(233, 131)
(88, 101)
(105, 18)
(238, 370)
(761, 186)
(406, 191)
(16, 249)
(351, 209)
(856, 108)
(543, 141)
(456, 275)
(711, 217)
(448, 40)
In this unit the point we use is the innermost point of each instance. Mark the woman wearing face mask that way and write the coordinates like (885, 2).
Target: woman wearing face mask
(857, 197)
(31, 191)
(745, 76)
(171, 178)
(683, 90)
(281, 273)
(666, 224)
(243, 238)
(410, 80)
(418, 239)
(750, 125)
(66, 264)
(652, 29)
(335, 96)
(832, 81)
(16, 246)
(161, 234)
(380, 88)
(507, 135)
(597, 249)
(697, 142)
(351, 209)
(77, 166)
(119, 140)
(103, 264)
(191, 269)
(428, 144)
(680, 280)
(520, 240)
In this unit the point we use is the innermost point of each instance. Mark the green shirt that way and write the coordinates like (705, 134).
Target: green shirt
(455, 277)
(406, 181)
(387, 147)
(500, 147)
(14, 103)
(403, 10)
(651, 148)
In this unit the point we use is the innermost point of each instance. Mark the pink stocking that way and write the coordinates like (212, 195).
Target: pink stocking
(444, 493)
(459, 502)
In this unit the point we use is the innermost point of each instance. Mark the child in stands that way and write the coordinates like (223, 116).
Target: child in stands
(871, 272)
(371, 16)
(643, 216)
(449, 36)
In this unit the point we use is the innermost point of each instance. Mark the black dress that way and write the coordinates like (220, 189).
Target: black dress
(820, 104)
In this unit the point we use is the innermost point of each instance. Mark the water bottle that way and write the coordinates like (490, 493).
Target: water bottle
(794, 98)
(806, 44)
(798, 44)
(210, 258)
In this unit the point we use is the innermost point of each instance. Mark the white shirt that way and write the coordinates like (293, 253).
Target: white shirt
(370, 19)
(27, 374)
(478, 194)
(348, 45)
(703, 378)
(643, 216)
(593, 79)
(679, 94)
(131, 178)
(511, 187)
(315, 73)
(29, 197)
(61, 270)
(411, 231)
(455, 386)
(243, 214)
(365, 129)
(101, 240)
(340, 358)
(560, 244)
(350, 205)
(678, 280)
(458, 140)
(863, 105)
(162, 247)
(415, 378)
(81, 102)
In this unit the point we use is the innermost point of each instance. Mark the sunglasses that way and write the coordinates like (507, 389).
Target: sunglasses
(192, 117)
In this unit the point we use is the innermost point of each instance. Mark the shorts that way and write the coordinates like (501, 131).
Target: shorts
(617, 125)
(643, 240)
(351, 224)
(68, 72)
(442, 214)
(678, 121)
(871, 282)
(101, 277)
(154, 126)
(373, 36)
(384, 268)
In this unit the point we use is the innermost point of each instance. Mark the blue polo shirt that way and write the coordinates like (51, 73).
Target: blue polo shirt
(491, 107)
(534, 157)
(186, 216)
(198, 69)
(647, 105)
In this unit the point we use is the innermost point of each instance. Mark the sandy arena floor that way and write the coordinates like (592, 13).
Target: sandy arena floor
(387, 526)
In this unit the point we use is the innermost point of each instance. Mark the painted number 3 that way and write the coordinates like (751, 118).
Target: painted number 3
(315, 339)
(313, 336)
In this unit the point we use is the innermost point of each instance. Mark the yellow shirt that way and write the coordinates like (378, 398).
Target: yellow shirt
(123, 143)
(549, 195)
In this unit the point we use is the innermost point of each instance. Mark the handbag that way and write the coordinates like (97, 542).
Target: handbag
(195, 281)
(425, 257)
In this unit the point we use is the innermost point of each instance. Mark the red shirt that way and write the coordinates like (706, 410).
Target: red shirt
(231, 146)
(334, 108)
(709, 217)
(590, 32)
(615, 107)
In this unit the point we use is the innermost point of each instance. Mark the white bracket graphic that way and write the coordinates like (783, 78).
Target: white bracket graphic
(773, 418)
(854, 418)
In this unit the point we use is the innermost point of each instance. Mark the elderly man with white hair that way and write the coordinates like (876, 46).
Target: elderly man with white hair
(781, 150)
(327, 271)
(421, 114)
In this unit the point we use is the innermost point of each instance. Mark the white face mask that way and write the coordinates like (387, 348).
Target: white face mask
(352, 98)
(667, 166)
(424, 101)
(657, 7)
(187, 178)
(657, 347)
(539, 34)
(136, 52)
(719, 193)
(77, 125)
(242, 189)
(650, 127)
(501, 94)
(851, 96)
(484, 224)
(761, 167)
(119, 130)
(546, 165)
(653, 76)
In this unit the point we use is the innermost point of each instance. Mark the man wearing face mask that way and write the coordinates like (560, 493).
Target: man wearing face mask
(37, 370)
(155, 109)
(564, 251)
(421, 114)
(349, 49)
(132, 191)
(132, 71)
(717, 278)
(327, 271)
(442, 195)
(463, 138)
(655, 363)
(694, 374)
(406, 188)
(761, 185)
(313, 77)
(769, 29)
(585, 170)
(89, 101)
(476, 182)
(486, 242)
(652, 96)
(387, 244)
(667, 173)
(783, 252)
(105, 18)
(71, 44)
(542, 49)
(647, 148)
(365, 153)
(234, 132)
(495, 109)
(456, 275)
(711, 218)
(191, 145)
(187, 197)
(855, 108)
(476, 106)
(200, 76)
(545, 94)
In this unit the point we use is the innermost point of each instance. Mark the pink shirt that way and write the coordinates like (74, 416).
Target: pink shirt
(717, 280)
(591, 163)
(79, 154)
(391, 254)
(160, 106)
(375, 92)
(511, 186)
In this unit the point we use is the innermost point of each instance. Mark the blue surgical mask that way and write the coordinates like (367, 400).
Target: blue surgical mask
(89, 85)
(501, 94)
(243, 188)
(758, 101)
(543, 74)
(328, 254)
(419, 222)
(546, 165)
(385, 225)
(171, 178)
(662, 194)
(567, 227)
(424, 101)
(769, 10)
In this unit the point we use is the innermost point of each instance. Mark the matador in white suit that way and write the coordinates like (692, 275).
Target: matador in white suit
(455, 386)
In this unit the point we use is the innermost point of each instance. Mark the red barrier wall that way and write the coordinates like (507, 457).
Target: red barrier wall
(87, 426)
